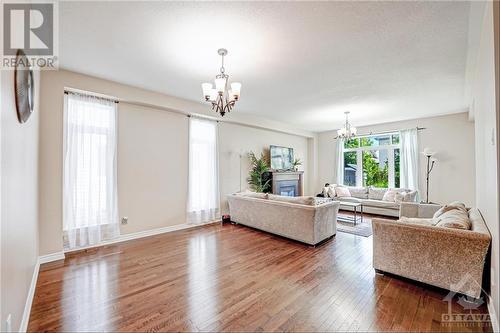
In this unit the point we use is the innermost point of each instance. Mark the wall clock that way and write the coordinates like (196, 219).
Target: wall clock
(24, 86)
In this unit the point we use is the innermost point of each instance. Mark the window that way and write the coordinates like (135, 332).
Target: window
(89, 186)
(203, 196)
(372, 161)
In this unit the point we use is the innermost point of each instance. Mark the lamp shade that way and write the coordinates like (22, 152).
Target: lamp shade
(206, 87)
(213, 95)
(236, 88)
(428, 151)
(220, 84)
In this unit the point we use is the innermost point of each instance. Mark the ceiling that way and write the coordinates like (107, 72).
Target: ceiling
(301, 63)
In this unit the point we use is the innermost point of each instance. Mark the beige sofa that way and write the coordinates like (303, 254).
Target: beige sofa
(449, 258)
(372, 199)
(307, 223)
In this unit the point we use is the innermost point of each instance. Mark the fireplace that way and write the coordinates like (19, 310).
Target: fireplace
(287, 183)
(288, 188)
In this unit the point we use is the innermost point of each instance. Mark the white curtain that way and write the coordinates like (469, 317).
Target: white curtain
(339, 159)
(409, 159)
(203, 195)
(90, 210)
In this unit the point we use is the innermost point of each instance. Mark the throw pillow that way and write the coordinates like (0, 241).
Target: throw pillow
(342, 191)
(306, 200)
(410, 196)
(376, 193)
(358, 192)
(418, 221)
(251, 194)
(455, 218)
(390, 195)
(399, 197)
(451, 206)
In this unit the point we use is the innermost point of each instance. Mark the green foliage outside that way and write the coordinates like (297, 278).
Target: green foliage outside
(258, 178)
(373, 175)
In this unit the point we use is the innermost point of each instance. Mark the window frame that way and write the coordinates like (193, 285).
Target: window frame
(359, 156)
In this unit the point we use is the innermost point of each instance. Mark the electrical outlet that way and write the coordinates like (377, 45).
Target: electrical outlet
(8, 323)
(125, 220)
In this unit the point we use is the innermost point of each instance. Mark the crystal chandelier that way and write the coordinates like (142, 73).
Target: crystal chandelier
(222, 100)
(347, 132)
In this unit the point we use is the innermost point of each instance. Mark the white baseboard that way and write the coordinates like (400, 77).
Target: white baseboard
(51, 257)
(29, 299)
(142, 234)
(31, 292)
(493, 315)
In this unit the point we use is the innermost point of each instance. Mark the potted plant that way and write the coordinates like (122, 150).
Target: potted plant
(296, 164)
(258, 178)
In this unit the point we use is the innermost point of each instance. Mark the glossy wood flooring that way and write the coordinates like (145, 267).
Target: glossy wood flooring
(233, 278)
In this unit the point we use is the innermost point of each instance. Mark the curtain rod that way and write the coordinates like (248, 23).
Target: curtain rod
(387, 132)
(202, 117)
(67, 92)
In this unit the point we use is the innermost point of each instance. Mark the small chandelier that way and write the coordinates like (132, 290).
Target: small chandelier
(222, 100)
(347, 132)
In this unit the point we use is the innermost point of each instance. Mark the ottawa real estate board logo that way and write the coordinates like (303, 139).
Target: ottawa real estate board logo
(31, 28)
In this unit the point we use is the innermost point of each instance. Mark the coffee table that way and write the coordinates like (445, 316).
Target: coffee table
(357, 208)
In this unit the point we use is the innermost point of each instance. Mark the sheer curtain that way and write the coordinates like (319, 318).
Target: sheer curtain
(409, 159)
(90, 210)
(339, 162)
(203, 195)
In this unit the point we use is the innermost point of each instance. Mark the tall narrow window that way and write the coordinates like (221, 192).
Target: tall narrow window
(90, 212)
(203, 201)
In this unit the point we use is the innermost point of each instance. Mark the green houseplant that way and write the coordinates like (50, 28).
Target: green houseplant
(258, 178)
(296, 164)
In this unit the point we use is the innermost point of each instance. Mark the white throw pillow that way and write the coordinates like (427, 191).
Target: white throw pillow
(449, 207)
(376, 193)
(410, 196)
(390, 195)
(455, 218)
(342, 191)
(305, 200)
(399, 197)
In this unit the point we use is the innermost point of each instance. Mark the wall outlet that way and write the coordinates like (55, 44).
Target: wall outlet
(8, 323)
(125, 220)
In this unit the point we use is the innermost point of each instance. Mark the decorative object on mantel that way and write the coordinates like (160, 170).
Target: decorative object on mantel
(222, 100)
(347, 132)
(296, 163)
(430, 165)
(24, 87)
(259, 178)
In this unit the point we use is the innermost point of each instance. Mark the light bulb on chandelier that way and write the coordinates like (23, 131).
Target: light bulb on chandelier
(220, 97)
(347, 132)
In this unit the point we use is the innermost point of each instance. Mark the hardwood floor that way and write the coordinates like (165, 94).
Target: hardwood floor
(233, 278)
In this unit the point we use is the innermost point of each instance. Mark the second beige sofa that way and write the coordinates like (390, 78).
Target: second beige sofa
(305, 222)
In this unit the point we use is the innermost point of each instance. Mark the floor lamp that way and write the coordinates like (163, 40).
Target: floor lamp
(430, 165)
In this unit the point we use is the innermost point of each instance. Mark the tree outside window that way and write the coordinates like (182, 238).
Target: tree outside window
(379, 156)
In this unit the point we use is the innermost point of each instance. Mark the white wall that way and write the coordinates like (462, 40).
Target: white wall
(236, 141)
(483, 109)
(19, 205)
(451, 136)
(152, 155)
(152, 167)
